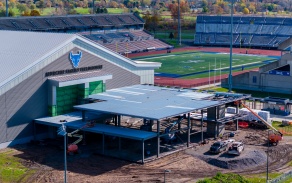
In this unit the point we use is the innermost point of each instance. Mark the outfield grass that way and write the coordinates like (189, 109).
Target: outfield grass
(186, 64)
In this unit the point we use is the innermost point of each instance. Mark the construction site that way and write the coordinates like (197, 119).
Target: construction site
(135, 133)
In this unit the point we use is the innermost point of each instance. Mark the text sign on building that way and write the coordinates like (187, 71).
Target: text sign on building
(281, 73)
(69, 71)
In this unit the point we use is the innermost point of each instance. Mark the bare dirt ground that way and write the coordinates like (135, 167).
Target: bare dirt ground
(185, 166)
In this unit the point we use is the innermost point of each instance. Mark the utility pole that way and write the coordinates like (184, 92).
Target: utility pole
(231, 42)
(179, 28)
(93, 7)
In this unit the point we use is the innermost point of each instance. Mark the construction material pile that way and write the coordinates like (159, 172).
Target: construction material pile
(231, 110)
(248, 116)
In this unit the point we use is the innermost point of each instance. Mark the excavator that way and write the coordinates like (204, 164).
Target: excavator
(274, 137)
(73, 148)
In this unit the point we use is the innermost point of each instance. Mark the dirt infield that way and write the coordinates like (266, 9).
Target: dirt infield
(166, 81)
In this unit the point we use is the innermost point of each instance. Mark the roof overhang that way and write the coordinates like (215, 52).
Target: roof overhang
(79, 78)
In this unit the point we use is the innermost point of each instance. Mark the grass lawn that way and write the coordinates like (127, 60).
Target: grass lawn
(82, 10)
(185, 34)
(115, 10)
(286, 130)
(253, 93)
(11, 170)
(50, 11)
(261, 178)
(186, 65)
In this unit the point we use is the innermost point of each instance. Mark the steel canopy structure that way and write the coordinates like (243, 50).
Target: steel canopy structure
(149, 102)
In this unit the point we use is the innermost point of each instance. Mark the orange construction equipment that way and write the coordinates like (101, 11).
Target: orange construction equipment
(274, 137)
(73, 148)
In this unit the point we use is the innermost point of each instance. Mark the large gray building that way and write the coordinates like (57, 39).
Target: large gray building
(273, 77)
(41, 71)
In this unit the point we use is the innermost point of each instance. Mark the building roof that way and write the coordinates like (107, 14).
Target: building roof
(21, 50)
(74, 121)
(150, 102)
(25, 53)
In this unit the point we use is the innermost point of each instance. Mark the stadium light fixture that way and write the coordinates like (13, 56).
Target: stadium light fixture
(62, 131)
(231, 42)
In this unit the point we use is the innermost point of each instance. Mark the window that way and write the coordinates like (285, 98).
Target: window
(254, 79)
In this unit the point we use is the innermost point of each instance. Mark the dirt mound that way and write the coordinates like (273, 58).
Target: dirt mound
(248, 159)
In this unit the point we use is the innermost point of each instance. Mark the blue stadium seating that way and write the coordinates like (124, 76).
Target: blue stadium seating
(249, 31)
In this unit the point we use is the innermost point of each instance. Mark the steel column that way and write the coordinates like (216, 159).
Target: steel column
(189, 121)
(143, 151)
(237, 110)
(202, 120)
(83, 115)
(103, 143)
(158, 138)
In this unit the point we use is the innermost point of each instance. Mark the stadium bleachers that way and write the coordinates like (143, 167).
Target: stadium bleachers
(121, 42)
(118, 32)
(59, 23)
(263, 32)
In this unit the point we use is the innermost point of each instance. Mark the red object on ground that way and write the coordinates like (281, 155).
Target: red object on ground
(243, 124)
(72, 148)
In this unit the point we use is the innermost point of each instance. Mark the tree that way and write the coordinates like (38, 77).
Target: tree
(113, 4)
(245, 11)
(32, 6)
(35, 13)
(10, 13)
(21, 7)
(26, 14)
(105, 10)
(184, 7)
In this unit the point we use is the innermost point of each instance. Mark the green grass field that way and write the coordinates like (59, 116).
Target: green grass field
(193, 62)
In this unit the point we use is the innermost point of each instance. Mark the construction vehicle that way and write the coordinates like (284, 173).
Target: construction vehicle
(168, 130)
(274, 137)
(72, 148)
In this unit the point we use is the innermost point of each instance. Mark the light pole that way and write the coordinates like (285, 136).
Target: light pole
(62, 131)
(179, 27)
(231, 42)
(268, 156)
(166, 171)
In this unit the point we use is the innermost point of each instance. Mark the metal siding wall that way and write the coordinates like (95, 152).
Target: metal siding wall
(29, 99)
(25, 102)
(121, 77)
(2, 119)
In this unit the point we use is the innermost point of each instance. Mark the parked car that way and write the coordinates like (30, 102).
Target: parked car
(236, 148)
(218, 147)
